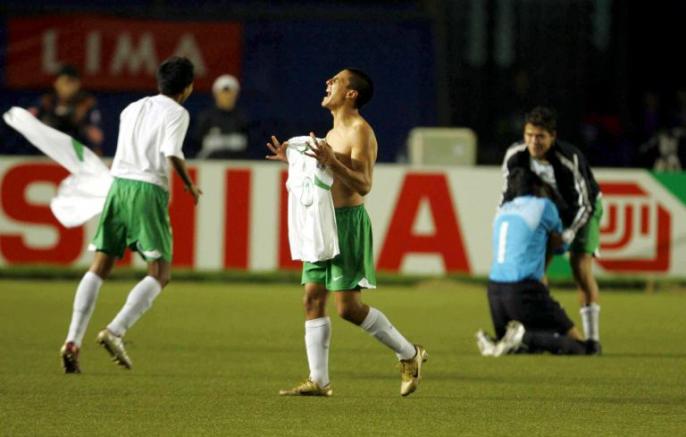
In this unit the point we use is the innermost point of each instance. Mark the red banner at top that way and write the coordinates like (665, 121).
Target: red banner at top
(117, 54)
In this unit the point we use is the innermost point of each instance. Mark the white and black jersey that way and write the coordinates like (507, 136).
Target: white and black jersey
(571, 175)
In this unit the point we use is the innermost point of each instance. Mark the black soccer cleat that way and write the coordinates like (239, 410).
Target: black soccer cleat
(70, 358)
(593, 347)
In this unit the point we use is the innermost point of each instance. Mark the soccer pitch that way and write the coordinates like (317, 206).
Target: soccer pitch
(209, 359)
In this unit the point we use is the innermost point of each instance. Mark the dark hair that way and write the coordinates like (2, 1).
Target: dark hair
(69, 71)
(174, 75)
(543, 117)
(523, 182)
(362, 83)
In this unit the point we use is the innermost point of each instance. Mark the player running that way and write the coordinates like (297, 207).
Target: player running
(135, 214)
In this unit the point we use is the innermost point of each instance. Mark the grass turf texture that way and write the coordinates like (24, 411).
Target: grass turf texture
(210, 358)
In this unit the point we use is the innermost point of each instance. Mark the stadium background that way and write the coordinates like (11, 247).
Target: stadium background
(473, 63)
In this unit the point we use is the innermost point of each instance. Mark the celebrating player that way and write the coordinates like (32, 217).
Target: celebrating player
(523, 312)
(135, 214)
(563, 167)
(349, 151)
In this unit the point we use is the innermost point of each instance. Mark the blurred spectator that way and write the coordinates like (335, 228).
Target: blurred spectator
(71, 110)
(665, 151)
(221, 132)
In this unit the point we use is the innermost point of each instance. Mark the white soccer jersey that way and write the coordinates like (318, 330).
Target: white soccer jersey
(150, 130)
(312, 231)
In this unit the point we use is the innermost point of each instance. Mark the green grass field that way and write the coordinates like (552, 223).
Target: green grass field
(209, 359)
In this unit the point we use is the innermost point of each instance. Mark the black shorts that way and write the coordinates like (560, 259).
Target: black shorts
(528, 302)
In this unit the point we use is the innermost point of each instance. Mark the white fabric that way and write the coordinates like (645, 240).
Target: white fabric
(317, 342)
(545, 171)
(80, 196)
(84, 304)
(150, 130)
(378, 325)
(590, 320)
(312, 231)
(139, 300)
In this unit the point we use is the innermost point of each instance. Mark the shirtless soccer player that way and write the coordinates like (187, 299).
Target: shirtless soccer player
(349, 151)
(136, 212)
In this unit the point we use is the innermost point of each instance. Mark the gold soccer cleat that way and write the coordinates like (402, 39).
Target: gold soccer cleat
(411, 371)
(115, 346)
(308, 388)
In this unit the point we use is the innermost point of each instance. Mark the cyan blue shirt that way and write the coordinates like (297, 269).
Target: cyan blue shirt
(520, 238)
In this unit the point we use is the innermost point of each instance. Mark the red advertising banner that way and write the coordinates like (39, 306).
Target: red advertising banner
(117, 54)
(426, 221)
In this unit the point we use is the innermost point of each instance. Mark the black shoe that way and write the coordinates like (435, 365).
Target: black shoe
(70, 358)
(593, 347)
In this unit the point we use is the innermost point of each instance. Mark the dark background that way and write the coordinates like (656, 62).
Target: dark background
(467, 63)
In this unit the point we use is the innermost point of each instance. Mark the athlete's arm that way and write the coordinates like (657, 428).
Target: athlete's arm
(357, 177)
(180, 167)
(581, 204)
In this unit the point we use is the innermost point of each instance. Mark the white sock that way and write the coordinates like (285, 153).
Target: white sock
(378, 325)
(317, 341)
(84, 304)
(139, 300)
(590, 319)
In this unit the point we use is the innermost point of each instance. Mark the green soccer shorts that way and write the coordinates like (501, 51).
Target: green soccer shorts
(135, 215)
(587, 240)
(353, 267)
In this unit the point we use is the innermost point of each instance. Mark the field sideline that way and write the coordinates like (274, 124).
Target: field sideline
(209, 359)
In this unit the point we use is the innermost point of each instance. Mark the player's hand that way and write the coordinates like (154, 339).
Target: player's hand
(278, 150)
(195, 192)
(568, 236)
(322, 151)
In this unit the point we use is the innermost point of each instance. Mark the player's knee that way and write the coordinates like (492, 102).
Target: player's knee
(163, 278)
(102, 265)
(347, 312)
(161, 271)
(313, 302)
(101, 272)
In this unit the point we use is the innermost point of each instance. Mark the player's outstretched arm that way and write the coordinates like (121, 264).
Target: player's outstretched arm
(180, 168)
(278, 150)
(357, 177)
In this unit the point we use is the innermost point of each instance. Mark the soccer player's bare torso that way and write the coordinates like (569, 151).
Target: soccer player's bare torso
(342, 139)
